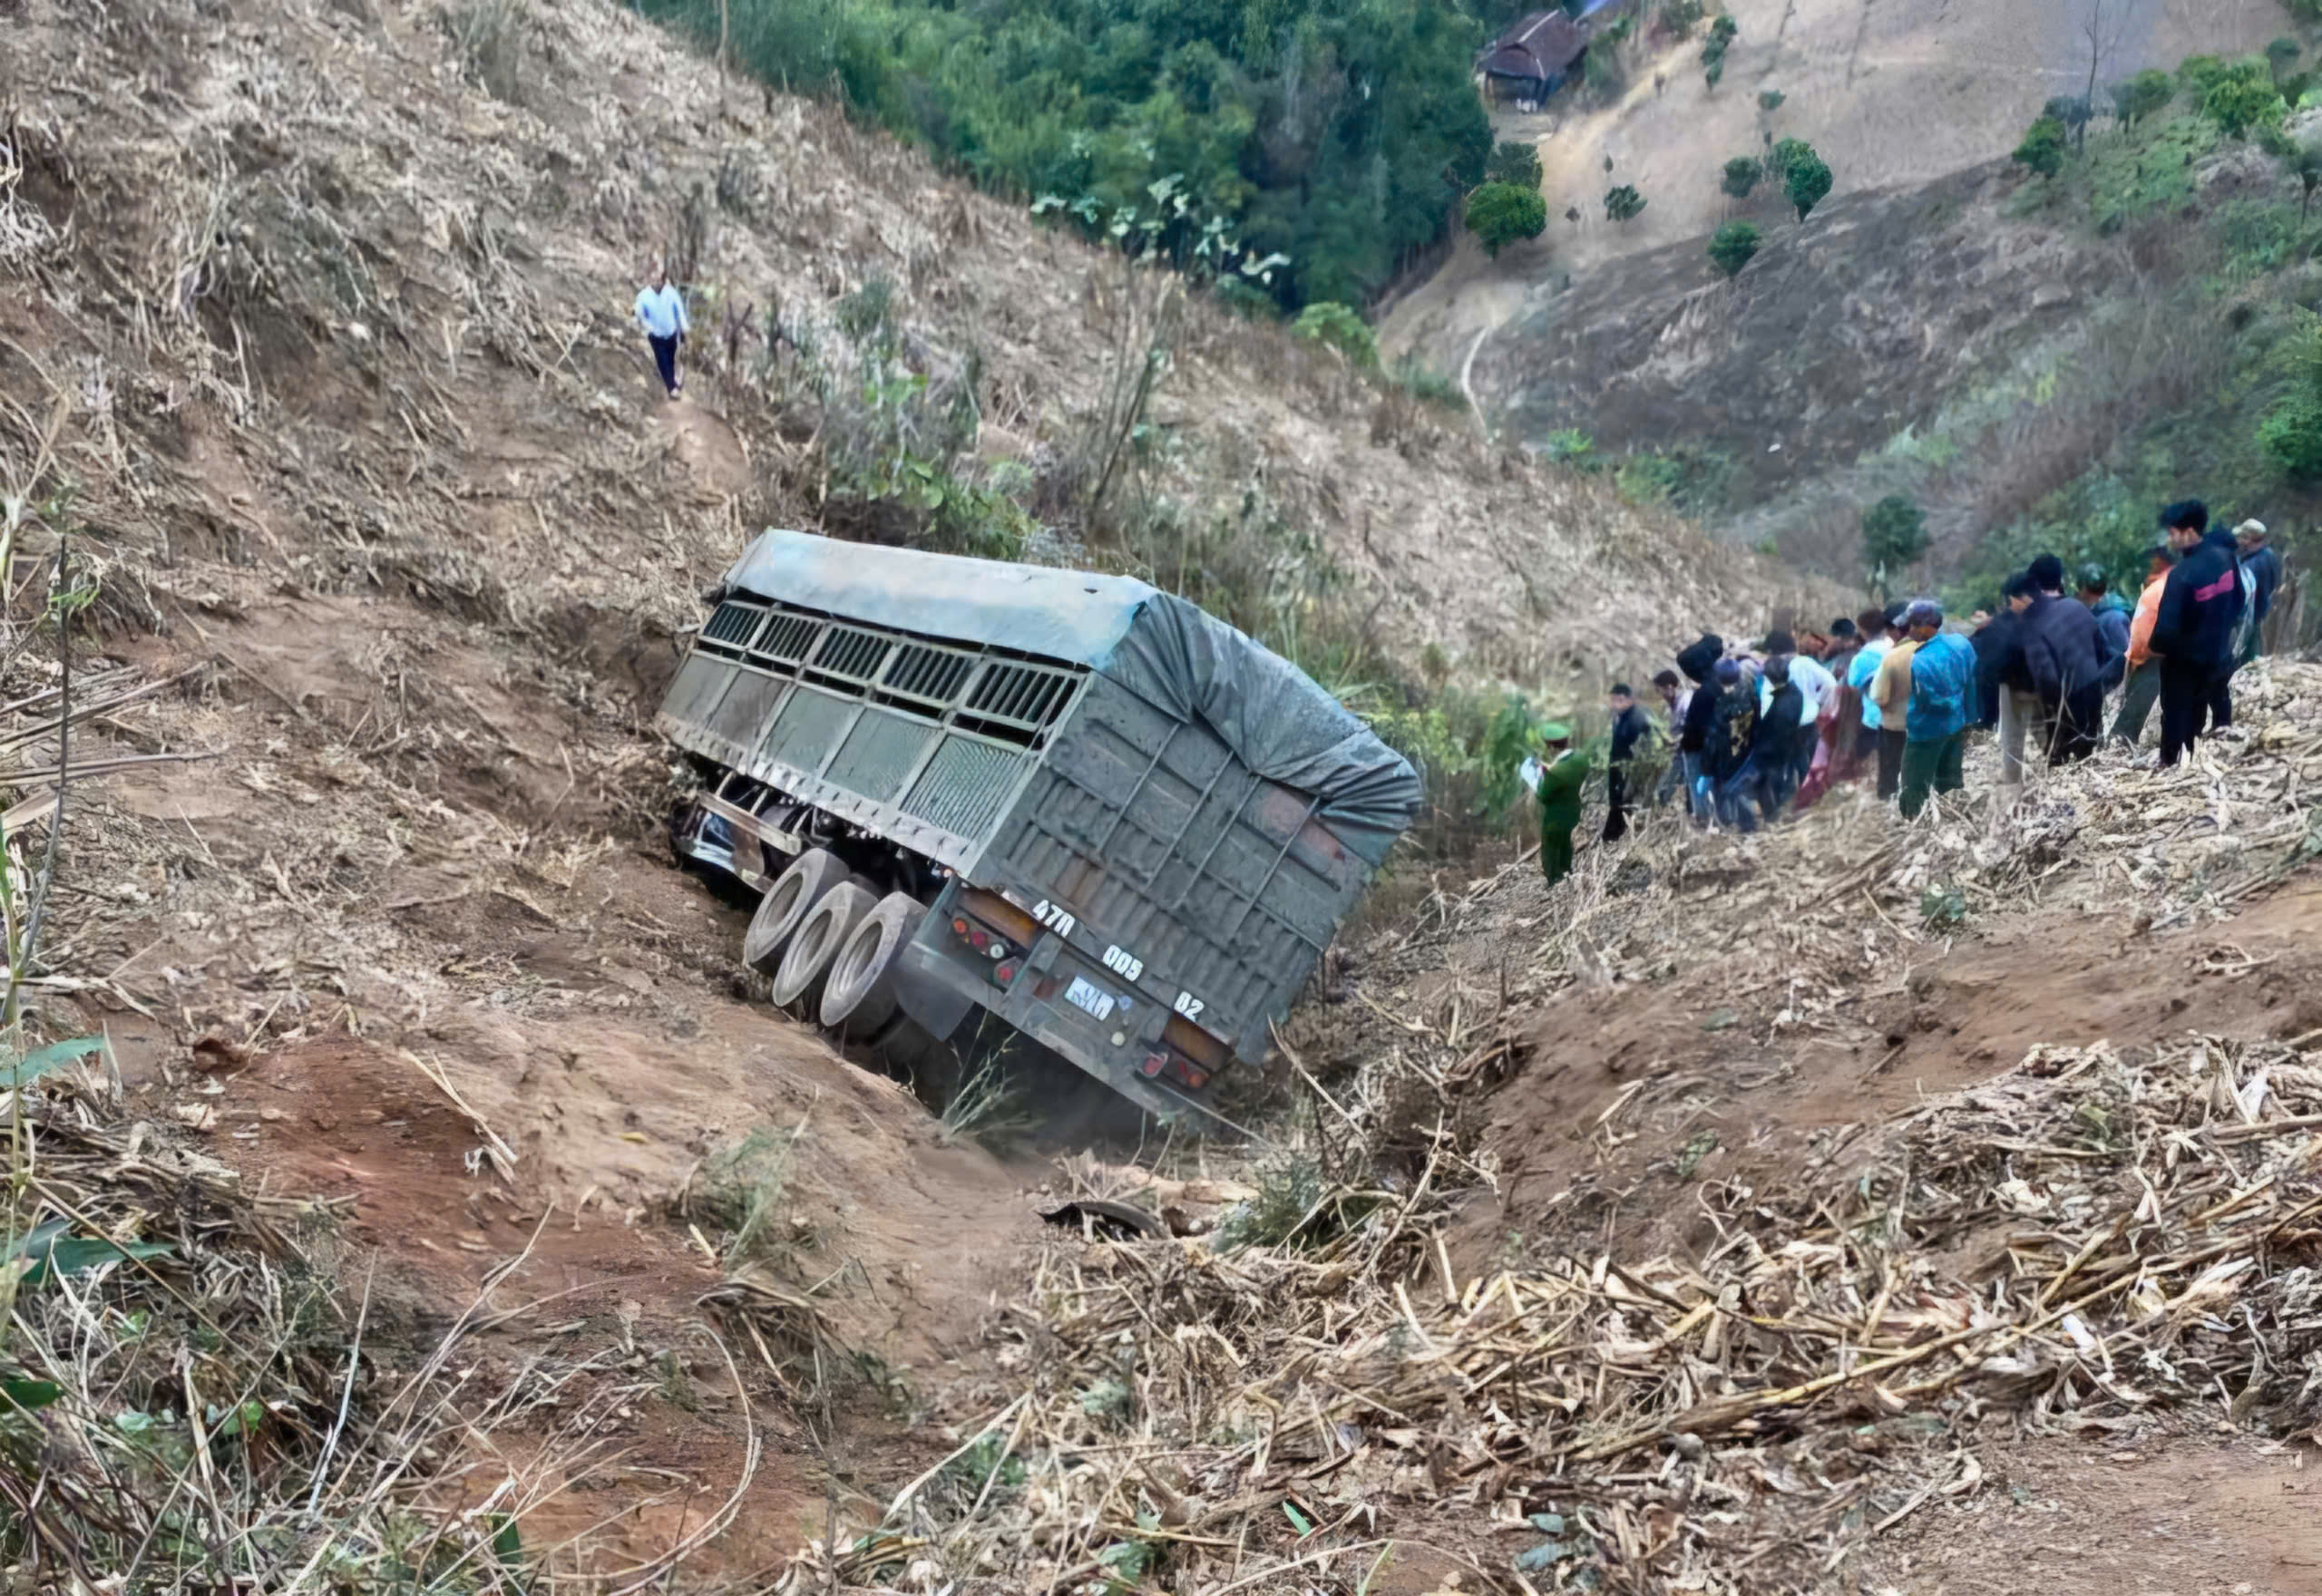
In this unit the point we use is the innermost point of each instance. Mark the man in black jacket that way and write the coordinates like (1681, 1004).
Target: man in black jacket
(2192, 634)
(1732, 741)
(1781, 732)
(1698, 660)
(1629, 728)
(2065, 657)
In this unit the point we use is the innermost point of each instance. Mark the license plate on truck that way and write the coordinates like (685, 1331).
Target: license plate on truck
(1090, 998)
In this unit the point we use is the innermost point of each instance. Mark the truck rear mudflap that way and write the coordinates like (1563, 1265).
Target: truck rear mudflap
(1053, 995)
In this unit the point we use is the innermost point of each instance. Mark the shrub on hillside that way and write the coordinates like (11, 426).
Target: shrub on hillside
(1806, 182)
(2043, 149)
(2291, 437)
(1741, 175)
(1342, 328)
(2282, 53)
(1769, 100)
(1732, 247)
(1624, 203)
(2244, 101)
(1714, 48)
(1894, 535)
(1501, 213)
(2141, 95)
(1513, 160)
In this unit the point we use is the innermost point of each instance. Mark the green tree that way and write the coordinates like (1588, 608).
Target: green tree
(1733, 247)
(1342, 328)
(2043, 149)
(2282, 54)
(2244, 101)
(1785, 154)
(1513, 160)
(1894, 535)
(1624, 203)
(1714, 48)
(2141, 95)
(1501, 213)
(1741, 175)
(1807, 181)
(1769, 100)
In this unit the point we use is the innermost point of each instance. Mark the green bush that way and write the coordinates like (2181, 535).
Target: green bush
(2291, 437)
(1741, 175)
(1428, 386)
(1733, 247)
(2043, 149)
(1624, 203)
(1513, 160)
(2141, 95)
(1894, 535)
(1769, 100)
(1806, 182)
(1570, 447)
(2244, 99)
(1501, 213)
(2282, 53)
(1342, 328)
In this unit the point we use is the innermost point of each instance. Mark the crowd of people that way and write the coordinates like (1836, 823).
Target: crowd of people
(1754, 732)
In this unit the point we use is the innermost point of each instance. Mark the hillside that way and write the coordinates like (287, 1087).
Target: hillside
(380, 542)
(1896, 96)
(435, 1205)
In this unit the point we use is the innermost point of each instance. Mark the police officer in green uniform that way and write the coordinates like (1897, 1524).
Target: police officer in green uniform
(1563, 772)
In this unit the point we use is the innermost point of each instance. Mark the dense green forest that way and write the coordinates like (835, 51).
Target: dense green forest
(1299, 150)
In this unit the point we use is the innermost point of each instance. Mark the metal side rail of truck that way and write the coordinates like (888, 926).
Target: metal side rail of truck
(1075, 802)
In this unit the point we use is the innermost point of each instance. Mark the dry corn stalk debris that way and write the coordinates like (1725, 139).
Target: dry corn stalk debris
(2090, 1237)
(2094, 1239)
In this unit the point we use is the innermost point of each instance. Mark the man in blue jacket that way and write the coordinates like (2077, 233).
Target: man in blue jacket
(1943, 684)
(2112, 613)
(2192, 633)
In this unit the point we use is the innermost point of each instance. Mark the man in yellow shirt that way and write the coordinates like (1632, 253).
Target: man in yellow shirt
(1890, 690)
(2145, 671)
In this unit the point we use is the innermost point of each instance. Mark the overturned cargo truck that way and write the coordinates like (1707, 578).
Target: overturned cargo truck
(1074, 801)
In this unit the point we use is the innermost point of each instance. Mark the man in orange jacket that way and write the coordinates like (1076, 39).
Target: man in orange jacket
(2144, 670)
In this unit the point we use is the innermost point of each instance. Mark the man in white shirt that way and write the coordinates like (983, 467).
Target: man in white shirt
(661, 312)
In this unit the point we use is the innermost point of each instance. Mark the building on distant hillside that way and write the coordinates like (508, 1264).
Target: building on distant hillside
(1533, 59)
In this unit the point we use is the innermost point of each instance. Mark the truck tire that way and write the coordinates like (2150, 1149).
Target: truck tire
(860, 991)
(786, 904)
(816, 942)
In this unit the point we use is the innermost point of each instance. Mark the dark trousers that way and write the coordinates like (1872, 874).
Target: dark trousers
(2079, 723)
(2137, 701)
(2191, 695)
(1890, 761)
(665, 355)
(1935, 765)
(1616, 806)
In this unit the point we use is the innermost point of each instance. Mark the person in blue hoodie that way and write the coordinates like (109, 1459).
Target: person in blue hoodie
(2112, 613)
(1935, 726)
(2192, 633)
